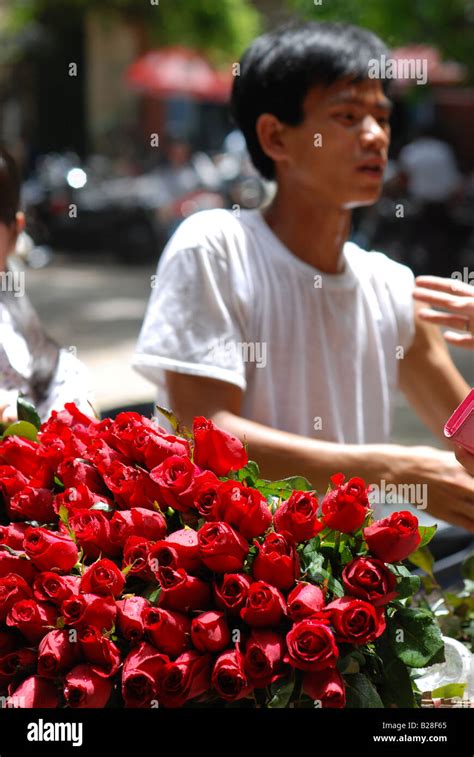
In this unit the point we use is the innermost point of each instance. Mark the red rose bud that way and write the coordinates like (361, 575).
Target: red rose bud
(57, 653)
(184, 679)
(231, 594)
(18, 565)
(229, 678)
(32, 618)
(137, 522)
(210, 632)
(394, 538)
(369, 579)
(93, 533)
(168, 631)
(141, 671)
(73, 472)
(13, 535)
(298, 516)
(185, 546)
(276, 562)
(327, 687)
(265, 606)
(182, 592)
(132, 487)
(20, 662)
(304, 600)
(100, 652)
(161, 555)
(32, 504)
(50, 587)
(311, 646)
(13, 588)
(136, 552)
(85, 688)
(11, 481)
(173, 476)
(202, 494)
(345, 507)
(244, 508)
(215, 449)
(264, 657)
(130, 618)
(103, 578)
(48, 549)
(22, 455)
(355, 621)
(35, 692)
(221, 549)
(159, 447)
(82, 610)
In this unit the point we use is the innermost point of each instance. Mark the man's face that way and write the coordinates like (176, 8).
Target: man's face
(339, 151)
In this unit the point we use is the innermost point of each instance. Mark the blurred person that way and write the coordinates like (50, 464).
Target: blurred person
(31, 364)
(277, 328)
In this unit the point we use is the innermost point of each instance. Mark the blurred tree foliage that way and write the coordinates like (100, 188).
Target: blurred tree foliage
(221, 27)
(446, 24)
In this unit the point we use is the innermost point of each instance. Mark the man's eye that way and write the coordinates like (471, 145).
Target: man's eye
(347, 116)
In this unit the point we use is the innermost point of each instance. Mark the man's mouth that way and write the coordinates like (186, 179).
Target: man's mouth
(374, 168)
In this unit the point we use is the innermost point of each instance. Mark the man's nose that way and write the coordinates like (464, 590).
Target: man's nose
(373, 133)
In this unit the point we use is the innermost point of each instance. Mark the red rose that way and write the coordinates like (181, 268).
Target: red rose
(141, 670)
(185, 546)
(32, 618)
(100, 652)
(103, 578)
(72, 418)
(173, 476)
(158, 447)
(32, 504)
(73, 472)
(186, 678)
(82, 610)
(78, 498)
(244, 508)
(345, 507)
(16, 564)
(11, 481)
(231, 593)
(265, 606)
(57, 653)
(210, 632)
(22, 455)
(168, 631)
(369, 579)
(182, 592)
(311, 646)
(130, 614)
(298, 516)
(202, 494)
(276, 562)
(48, 549)
(221, 549)
(137, 522)
(35, 692)
(85, 688)
(93, 533)
(131, 487)
(102, 455)
(162, 555)
(327, 687)
(13, 535)
(215, 449)
(50, 587)
(13, 588)
(264, 657)
(394, 538)
(20, 662)
(136, 552)
(355, 621)
(305, 600)
(229, 678)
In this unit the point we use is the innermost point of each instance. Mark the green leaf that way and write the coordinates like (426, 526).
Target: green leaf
(178, 428)
(467, 568)
(284, 487)
(351, 663)
(426, 533)
(415, 637)
(282, 692)
(423, 559)
(361, 693)
(22, 428)
(26, 411)
(318, 568)
(152, 593)
(250, 473)
(449, 690)
(396, 688)
(408, 585)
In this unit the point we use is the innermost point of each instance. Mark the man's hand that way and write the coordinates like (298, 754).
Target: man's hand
(452, 296)
(7, 407)
(466, 459)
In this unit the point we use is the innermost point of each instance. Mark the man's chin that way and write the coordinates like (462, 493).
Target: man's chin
(363, 199)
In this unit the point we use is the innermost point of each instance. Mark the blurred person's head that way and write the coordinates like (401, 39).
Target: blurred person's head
(310, 113)
(11, 219)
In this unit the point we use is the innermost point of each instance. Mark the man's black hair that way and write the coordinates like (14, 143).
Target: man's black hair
(9, 188)
(279, 68)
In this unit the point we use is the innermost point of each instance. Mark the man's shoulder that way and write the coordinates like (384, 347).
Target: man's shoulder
(376, 265)
(212, 230)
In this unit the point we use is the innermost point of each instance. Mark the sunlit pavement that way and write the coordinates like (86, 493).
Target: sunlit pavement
(97, 306)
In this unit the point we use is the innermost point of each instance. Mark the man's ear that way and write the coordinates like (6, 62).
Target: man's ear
(271, 135)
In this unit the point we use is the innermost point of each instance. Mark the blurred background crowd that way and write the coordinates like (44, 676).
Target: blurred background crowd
(117, 115)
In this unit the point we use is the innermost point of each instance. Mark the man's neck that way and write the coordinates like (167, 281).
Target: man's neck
(314, 232)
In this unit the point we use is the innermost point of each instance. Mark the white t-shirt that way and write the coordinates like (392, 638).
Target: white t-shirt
(316, 354)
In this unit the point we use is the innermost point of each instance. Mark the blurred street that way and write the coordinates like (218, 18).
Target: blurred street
(98, 309)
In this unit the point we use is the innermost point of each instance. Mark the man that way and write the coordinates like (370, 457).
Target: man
(276, 327)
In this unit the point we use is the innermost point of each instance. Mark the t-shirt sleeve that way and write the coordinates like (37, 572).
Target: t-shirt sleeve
(400, 283)
(195, 319)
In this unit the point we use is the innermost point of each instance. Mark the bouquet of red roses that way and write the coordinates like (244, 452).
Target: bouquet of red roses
(144, 569)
